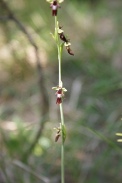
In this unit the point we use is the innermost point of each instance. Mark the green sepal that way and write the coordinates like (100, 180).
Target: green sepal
(119, 134)
(63, 132)
(55, 88)
(50, 1)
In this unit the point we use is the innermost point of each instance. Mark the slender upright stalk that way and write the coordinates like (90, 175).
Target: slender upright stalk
(59, 51)
(61, 105)
(59, 64)
(62, 121)
(62, 146)
(61, 41)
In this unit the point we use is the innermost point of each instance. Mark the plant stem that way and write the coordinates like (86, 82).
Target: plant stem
(61, 105)
(62, 146)
(59, 51)
(59, 64)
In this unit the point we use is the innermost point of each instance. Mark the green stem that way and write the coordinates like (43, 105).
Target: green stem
(61, 106)
(62, 145)
(59, 51)
(59, 64)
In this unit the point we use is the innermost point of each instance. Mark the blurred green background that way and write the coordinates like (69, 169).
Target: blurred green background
(92, 105)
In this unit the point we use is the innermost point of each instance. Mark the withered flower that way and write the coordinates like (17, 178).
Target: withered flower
(61, 34)
(67, 45)
(58, 133)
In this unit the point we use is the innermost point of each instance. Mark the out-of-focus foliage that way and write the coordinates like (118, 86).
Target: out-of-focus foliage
(93, 104)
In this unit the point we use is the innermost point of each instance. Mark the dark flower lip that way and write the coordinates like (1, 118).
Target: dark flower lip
(59, 95)
(57, 137)
(59, 101)
(69, 51)
(54, 12)
(63, 38)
